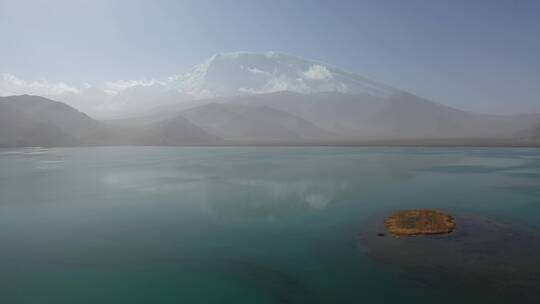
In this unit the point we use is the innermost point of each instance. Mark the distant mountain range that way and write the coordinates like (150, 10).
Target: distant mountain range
(229, 74)
(532, 133)
(250, 98)
(280, 118)
(36, 121)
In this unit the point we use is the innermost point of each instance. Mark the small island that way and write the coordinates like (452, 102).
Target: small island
(419, 222)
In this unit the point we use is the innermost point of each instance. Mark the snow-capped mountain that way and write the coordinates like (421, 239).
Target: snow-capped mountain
(252, 73)
(226, 74)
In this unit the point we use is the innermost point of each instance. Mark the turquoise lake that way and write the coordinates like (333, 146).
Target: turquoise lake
(240, 224)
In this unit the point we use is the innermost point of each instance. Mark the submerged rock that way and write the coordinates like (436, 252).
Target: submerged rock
(419, 222)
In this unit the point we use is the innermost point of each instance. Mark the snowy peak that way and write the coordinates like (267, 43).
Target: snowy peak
(224, 74)
(254, 73)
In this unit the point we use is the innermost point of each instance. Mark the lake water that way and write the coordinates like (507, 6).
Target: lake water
(241, 225)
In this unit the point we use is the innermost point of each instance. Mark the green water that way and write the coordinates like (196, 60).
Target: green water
(237, 225)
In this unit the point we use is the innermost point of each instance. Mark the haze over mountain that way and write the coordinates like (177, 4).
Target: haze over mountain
(228, 74)
(361, 116)
(243, 73)
(242, 97)
(532, 133)
(253, 123)
(36, 121)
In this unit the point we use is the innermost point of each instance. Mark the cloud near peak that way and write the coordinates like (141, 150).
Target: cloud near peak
(225, 74)
(12, 85)
(115, 87)
(317, 72)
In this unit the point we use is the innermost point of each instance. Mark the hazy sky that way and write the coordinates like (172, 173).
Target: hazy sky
(477, 55)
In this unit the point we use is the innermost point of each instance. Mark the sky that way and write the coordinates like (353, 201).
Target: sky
(474, 55)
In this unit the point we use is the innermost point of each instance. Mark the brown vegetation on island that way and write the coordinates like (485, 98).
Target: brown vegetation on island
(419, 222)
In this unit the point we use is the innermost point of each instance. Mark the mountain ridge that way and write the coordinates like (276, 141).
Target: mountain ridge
(275, 118)
(223, 74)
(219, 76)
(248, 122)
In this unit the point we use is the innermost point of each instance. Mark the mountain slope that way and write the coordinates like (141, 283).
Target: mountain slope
(399, 116)
(131, 100)
(360, 107)
(250, 97)
(173, 132)
(36, 121)
(282, 117)
(226, 74)
(255, 123)
(532, 133)
(343, 116)
(244, 73)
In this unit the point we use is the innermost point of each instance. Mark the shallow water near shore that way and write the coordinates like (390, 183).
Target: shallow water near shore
(263, 224)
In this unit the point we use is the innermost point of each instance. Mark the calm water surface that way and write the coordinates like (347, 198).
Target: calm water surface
(238, 225)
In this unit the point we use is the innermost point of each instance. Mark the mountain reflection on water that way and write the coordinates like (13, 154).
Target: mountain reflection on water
(258, 224)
